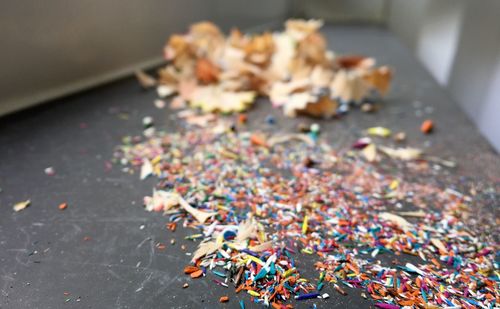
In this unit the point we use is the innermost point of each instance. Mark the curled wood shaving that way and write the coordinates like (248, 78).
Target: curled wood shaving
(370, 152)
(21, 205)
(206, 248)
(145, 80)
(283, 138)
(405, 154)
(438, 244)
(199, 215)
(417, 214)
(163, 200)
(400, 221)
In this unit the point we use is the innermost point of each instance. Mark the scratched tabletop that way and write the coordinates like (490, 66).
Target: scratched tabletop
(101, 251)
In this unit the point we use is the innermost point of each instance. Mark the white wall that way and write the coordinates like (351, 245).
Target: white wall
(474, 81)
(458, 41)
(431, 29)
(438, 37)
(489, 116)
(404, 19)
(52, 48)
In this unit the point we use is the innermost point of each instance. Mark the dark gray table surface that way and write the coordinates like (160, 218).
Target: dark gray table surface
(43, 254)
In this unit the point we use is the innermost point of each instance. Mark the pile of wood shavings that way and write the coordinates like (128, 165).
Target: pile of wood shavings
(293, 68)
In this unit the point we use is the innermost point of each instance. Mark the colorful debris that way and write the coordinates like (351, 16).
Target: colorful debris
(427, 126)
(259, 203)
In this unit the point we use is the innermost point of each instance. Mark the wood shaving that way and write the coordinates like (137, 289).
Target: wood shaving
(405, 154)
(21, 205)
(145, 80)
(400, 221)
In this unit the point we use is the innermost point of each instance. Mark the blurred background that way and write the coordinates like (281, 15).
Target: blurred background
(55, 48)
